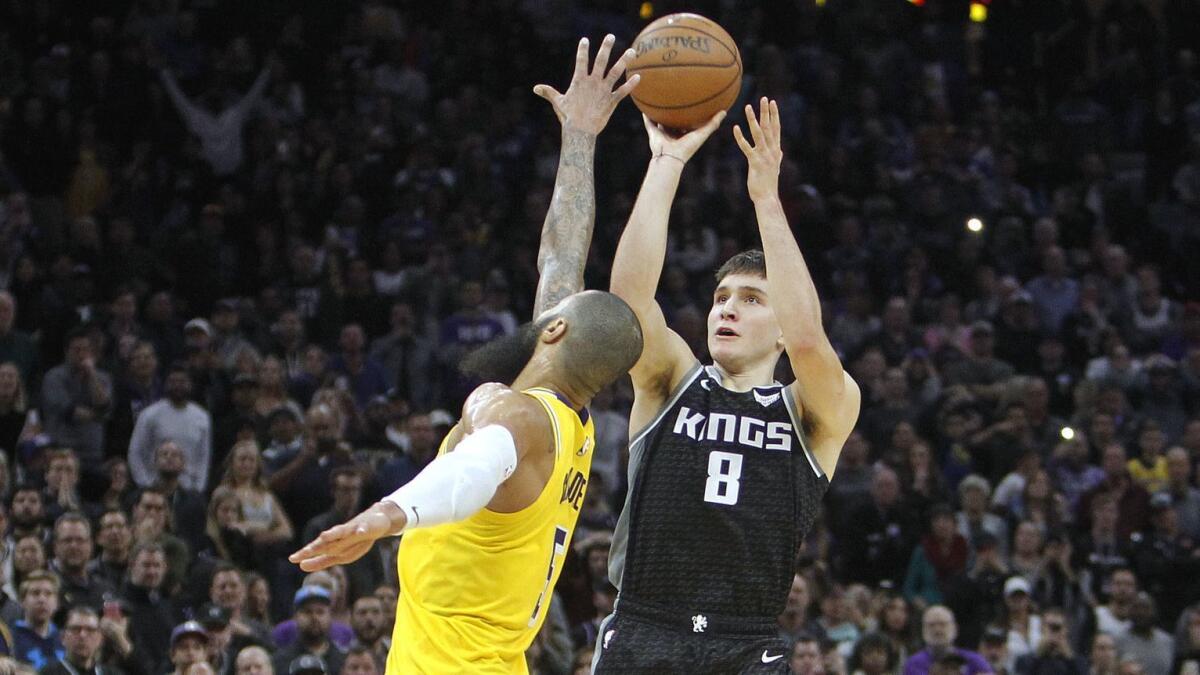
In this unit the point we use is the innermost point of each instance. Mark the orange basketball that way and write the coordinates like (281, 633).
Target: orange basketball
(690, 69)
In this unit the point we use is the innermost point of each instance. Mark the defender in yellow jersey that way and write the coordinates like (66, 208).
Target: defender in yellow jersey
(486, 524)
(475, 592)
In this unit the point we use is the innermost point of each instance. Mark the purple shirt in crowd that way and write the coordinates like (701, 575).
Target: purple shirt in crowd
(922, 661)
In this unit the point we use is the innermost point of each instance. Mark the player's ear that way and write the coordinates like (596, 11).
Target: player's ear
(554, 331)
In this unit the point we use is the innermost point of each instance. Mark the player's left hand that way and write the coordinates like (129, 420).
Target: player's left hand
(766, 155)
(349, 541)
(590, 100)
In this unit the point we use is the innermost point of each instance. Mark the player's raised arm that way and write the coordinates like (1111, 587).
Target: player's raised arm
(499, 428)
(583, 110)
(642, 250)
(829, 397)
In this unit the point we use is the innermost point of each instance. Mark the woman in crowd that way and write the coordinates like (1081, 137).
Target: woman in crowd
(264, 519)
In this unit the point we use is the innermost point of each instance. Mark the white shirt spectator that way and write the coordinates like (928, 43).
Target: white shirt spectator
(189, 426)
(220, 134)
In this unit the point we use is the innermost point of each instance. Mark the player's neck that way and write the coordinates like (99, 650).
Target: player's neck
(541, 374)
(758, 375)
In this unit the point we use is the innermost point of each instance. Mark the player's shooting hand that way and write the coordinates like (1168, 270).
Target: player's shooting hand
(590, 99)
(349, 541)
(681, 148)
(766, 155)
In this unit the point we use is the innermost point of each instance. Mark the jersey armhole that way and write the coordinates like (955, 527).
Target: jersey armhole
(798, 425)
(672, 399)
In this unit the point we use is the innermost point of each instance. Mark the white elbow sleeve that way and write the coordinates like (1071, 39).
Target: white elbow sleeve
(457, 484)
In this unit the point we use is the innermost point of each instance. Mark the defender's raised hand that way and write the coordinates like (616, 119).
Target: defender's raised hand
(591, 99)
(766, 155)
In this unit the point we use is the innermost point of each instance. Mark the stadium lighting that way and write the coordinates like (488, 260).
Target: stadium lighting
(1067, 433)
(974, 225)
(979, 11)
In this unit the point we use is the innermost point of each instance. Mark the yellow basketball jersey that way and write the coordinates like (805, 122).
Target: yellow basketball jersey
(473, 594)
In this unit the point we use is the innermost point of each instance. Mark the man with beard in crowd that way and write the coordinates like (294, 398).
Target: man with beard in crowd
(27, 512)
(175, 418)
(313, 620)
(366, 619)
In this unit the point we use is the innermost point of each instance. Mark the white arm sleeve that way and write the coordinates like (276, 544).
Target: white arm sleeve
(457, 484)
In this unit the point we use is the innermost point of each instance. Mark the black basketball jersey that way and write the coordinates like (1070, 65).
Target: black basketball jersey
(722, 491)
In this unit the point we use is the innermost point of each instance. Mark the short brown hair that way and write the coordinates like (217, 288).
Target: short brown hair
(36, 576)
(752, 262)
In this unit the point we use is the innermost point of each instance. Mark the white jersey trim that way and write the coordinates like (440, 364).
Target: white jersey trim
(798, 426)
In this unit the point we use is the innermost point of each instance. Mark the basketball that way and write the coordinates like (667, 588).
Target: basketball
(690, 69)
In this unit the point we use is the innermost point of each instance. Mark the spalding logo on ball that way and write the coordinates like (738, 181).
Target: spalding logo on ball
(690, 69)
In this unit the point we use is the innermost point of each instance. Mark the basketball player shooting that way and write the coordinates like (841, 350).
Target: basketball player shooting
(488, 522)
(727, 467)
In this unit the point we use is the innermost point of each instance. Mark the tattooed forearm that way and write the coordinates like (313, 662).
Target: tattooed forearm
(567, 231)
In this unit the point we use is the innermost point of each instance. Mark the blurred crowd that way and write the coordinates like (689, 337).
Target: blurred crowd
(243, 247)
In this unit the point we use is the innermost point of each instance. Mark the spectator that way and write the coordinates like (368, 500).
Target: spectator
(219, 129)
(27, 512)
(16, 346)
(1167, 559)
(365, 377)
(939, 631)
(115, 541)
(139, 387)
(267, 524)
(873, 655)
(1133, 503)
(271, 393)
(81, 640)
(974, 520)
(1071, 472)
(150, 612)
(1102, 657)
(187, 505)
(285, 633)
(253, 660)
(366, 620)
(227, 537)
(189, 647)
(29, 556)
(283, 427)
(407, 357)
(72, 552)
(421, 448)
(76, 399)
(14, 407)
(228, 589)
(307, 664)
(1022, 621)
(152, 524)
(62, 484)
(795, 620)
(35, 637)
(312, 605)
(1114, 617)
(940, 558)
(365, 573)
(1184, 497)
(1148, 468)
(175, 419)
(1053, 653)
(993, 647)
(805, 658)
(882, 540)
(361, 661)
(223, 645)
(897, 621)
(301, 478)
(1145, 643)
